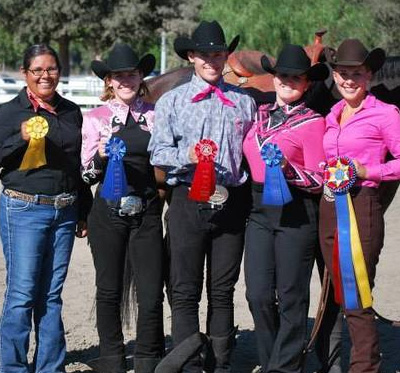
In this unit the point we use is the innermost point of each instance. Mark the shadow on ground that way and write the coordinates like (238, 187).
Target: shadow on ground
(244, 358)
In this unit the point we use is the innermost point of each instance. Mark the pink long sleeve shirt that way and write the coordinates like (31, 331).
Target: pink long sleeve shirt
(300, 140)
(367, 137)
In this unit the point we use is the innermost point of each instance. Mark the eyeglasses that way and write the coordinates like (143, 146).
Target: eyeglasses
(39, 72)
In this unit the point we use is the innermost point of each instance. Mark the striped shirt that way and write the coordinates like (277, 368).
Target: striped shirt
(298, 131)
(180, 124)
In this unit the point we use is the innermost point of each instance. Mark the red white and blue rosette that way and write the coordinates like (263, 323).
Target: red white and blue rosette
(276, 191)
(350, 275)
(204, 180)
(115, 184)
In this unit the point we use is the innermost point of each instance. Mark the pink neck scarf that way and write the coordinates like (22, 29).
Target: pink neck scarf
(210, 89)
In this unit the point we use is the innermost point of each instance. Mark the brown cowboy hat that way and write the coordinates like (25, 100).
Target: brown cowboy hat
(351, 52)
(207, 37)
(293, 61)
(123, 58)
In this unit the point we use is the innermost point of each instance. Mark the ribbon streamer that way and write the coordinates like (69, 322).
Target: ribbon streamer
(336, 271)
(115, 184)
(203, 184)
(352, 276)
(276, 191)
(35, 156)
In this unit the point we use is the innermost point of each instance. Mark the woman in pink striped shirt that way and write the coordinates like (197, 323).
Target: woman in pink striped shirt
(364, 129)
(281, 240)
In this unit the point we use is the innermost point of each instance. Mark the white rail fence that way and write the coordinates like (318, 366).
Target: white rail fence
(84, 91)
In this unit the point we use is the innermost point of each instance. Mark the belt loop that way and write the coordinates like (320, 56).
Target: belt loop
(36, 200)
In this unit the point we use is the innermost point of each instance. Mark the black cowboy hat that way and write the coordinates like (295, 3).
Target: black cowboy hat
(207, 37)
(293, 61)
(123, 58)
(352, 52)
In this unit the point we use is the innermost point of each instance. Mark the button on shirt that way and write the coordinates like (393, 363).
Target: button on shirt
(367, 137)
(132, 124)
(180, 124)
(62, 149)
(298, 131)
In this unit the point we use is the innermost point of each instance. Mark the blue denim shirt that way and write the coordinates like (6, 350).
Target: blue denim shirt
(180, 124)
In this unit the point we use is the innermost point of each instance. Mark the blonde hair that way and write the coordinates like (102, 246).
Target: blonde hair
(108, 91)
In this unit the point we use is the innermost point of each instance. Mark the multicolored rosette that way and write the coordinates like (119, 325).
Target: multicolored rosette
(115, 184)
(203, 184)
(276, 191)
(350, 275)
(35, 156)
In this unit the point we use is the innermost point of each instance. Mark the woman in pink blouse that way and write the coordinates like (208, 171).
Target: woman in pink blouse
(281, 240)
(363, 129)
(125, 233)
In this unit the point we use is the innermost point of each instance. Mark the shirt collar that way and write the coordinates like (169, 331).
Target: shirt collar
(121, 110)
(369, 101)
(287, 109)
(201, 84)
(23, 96)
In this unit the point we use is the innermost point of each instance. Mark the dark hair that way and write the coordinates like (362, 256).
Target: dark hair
(38, 50)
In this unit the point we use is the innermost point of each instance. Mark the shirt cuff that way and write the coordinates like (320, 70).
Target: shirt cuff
(374, 173)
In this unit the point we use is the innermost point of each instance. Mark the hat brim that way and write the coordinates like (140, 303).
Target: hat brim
(374, 60)
(318, 71)
(183, 45)
(146, 65)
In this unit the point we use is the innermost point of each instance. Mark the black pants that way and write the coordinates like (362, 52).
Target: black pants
(196, 234)
(279, 256)
(112, 238)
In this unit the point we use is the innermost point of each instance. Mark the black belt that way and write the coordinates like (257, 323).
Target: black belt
(59, 201)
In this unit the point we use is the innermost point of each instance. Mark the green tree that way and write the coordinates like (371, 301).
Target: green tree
(176, 17)
(10, 50)
(267, 25)
(386, 14)
(96, 24)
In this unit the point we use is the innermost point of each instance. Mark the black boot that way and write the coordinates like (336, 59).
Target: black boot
(183, 355)
(222, 348)
(145, 365)
(108, 364)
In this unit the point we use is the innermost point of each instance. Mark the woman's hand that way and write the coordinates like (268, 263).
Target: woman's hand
(192, 155)
(24, 133)
(102, 148)
(361, 170)
(81, 229)
(284, 163)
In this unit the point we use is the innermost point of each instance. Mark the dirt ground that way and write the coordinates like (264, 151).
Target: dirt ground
(82, 340)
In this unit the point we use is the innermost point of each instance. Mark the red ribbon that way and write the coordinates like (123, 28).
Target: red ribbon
(337, 281)
(203, 184)
(210, 89)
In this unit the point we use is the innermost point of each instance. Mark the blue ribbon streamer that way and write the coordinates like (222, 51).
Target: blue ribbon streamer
(115, 184)
(345, 256)
(276, 191)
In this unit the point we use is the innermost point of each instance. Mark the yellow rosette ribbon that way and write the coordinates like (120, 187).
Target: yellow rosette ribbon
(35, 156)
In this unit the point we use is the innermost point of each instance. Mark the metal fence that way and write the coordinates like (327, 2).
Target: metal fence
(82, 90)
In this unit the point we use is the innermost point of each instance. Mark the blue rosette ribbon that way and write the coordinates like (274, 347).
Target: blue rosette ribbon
(276, 191)
(115, 184)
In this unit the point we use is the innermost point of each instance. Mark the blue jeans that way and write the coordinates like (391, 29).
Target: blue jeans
(37, 244)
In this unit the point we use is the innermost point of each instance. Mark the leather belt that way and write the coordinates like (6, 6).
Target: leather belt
(59, 201)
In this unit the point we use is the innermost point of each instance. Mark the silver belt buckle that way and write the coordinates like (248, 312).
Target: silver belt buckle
(329, 196)
(130, 205)
(63, 200)
(219, 197)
